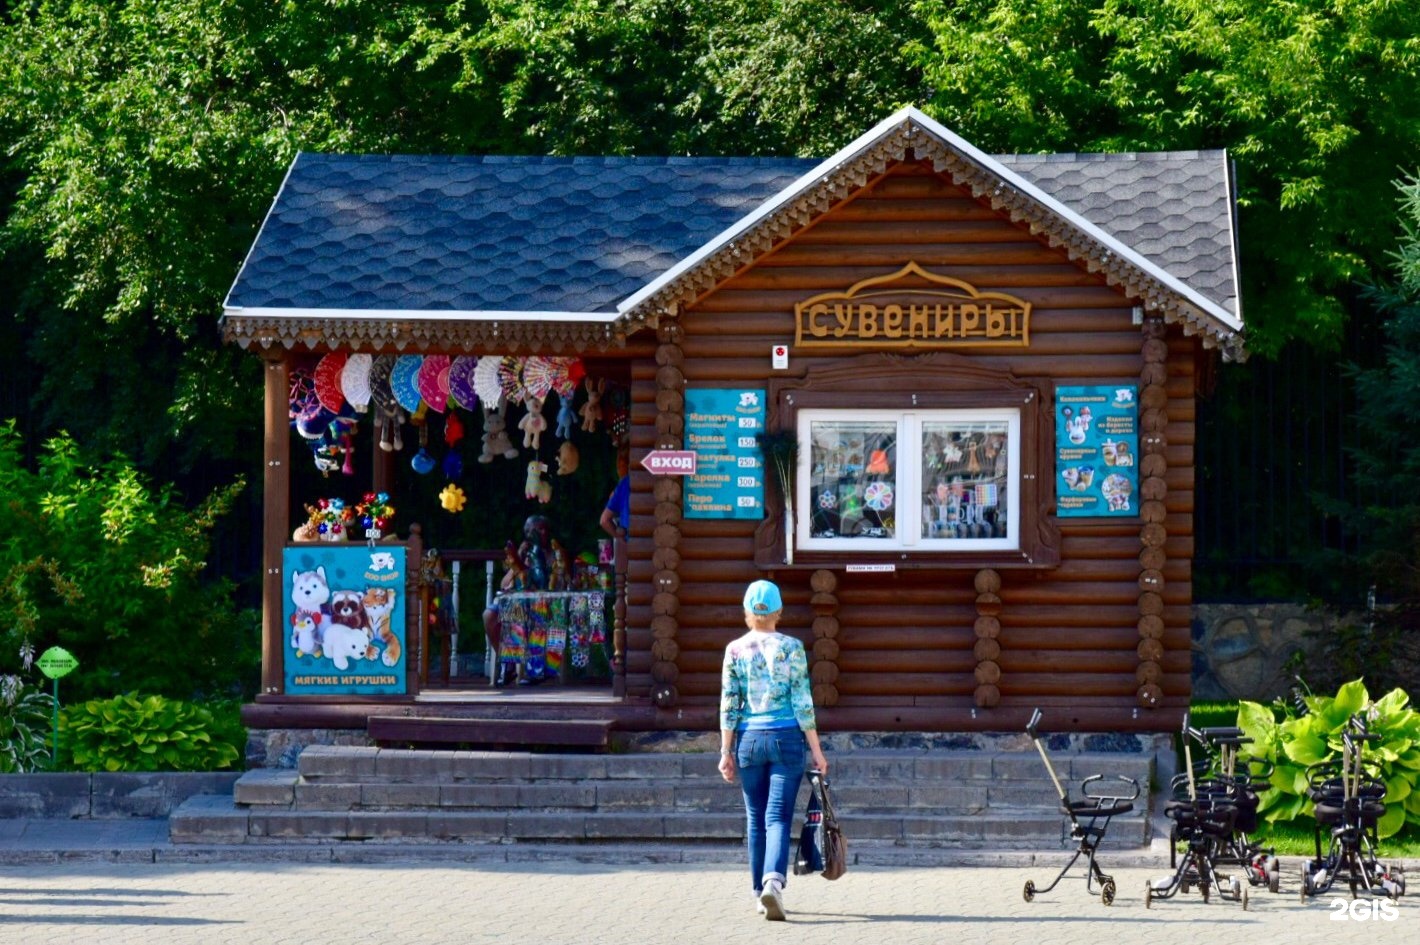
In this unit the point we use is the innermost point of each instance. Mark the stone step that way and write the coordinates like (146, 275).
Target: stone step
(218, 819)
(343, 764)
(582, 733)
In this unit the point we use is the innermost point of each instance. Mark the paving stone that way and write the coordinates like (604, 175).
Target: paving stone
(266, 786)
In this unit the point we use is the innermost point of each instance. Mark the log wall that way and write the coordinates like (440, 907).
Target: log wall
(1088, 635)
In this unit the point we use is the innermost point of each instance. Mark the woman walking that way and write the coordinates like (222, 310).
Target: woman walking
(766, 719)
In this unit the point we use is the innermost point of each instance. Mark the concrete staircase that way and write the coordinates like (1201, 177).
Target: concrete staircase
(902, 798)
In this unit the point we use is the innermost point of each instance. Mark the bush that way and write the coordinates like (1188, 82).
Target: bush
(146, 733)
(96, 561)
(26, 715)
(1300, 741)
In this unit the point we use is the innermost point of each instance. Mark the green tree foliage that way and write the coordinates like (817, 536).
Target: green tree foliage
(97, 561)
(1315, 99)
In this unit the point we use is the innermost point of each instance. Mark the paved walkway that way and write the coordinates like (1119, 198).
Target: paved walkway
(116, 882)
(562, 903)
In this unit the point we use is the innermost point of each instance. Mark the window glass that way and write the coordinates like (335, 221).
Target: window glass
(964, 482)
(853, 479)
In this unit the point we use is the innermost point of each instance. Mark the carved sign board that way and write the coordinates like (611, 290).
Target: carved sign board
(912, 308)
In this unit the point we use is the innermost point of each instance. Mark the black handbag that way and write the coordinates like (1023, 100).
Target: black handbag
(809, 858)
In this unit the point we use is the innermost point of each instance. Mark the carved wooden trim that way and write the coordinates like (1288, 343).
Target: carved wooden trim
(414, 335)
(925, 381)
(909, 142)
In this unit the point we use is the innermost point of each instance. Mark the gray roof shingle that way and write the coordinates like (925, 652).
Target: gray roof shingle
(536, 234)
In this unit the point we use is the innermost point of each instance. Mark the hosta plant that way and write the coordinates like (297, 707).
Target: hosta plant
(145, 733)
(26, 713)
(1300, 740)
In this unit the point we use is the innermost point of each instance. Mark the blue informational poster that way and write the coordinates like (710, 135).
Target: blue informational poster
(343, 619)
(1096, 442)
(720, 426)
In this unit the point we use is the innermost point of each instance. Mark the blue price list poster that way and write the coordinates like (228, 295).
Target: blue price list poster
(720, 426)
(1096, 442)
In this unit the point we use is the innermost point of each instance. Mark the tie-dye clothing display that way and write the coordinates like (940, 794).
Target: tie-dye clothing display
(544, 630)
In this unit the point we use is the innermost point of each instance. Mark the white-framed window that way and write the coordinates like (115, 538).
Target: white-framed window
(909, 480)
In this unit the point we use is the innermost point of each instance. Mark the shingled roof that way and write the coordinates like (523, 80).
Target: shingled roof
(366, 249)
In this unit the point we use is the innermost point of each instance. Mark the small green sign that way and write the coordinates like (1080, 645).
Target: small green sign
(56, 662)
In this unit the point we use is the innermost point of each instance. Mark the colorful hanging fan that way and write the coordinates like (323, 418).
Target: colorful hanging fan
(510, 379)
(328, 389)
(485, 382)
(562, 376)
(355, 381)
(301, 395)
(404, 380)
(381, 394)
(461, 391)
(538, 375)
(433, 381)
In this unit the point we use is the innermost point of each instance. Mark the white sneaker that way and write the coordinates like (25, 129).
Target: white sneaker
(771, 902)
(759, 905)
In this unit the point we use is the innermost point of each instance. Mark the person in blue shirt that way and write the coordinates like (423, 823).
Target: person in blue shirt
(767, 726)
(616, 517)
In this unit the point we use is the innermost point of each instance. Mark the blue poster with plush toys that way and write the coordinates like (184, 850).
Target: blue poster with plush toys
(344, 617)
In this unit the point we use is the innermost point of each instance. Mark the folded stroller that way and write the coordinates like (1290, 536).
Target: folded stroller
(1348, 800)
(1095, 810)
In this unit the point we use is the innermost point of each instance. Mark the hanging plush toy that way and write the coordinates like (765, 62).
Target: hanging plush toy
(568, 458)
(592, 409)
(452, 498)
(495, 436)
(566, 417)
(537, 487)
(533, 424)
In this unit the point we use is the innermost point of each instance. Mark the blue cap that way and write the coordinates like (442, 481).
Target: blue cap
(762, 597)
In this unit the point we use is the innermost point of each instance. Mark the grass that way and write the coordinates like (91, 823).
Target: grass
(1294, 838)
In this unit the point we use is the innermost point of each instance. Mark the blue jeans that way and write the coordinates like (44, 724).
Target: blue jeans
(771, 764)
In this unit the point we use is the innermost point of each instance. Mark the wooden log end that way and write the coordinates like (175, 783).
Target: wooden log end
(986, 696)
(986, 650)
(987, 581)
(665, 697)
(826, 627)
(664, 651)
(824, 673)
(987, 628)
(665, 605)
(1151, 627)
(1150, 650)
(825, 649)
(826, 694)
(1150, 695)
(988, 673)
(664, 672)
(824, 581)
(1148, 672)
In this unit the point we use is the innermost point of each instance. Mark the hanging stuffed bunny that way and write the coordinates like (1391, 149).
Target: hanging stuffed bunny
(495, 436)
(533, 424)
(592, 409)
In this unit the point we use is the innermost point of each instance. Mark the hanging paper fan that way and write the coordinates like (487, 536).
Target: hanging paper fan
(486, 383)
(381, 394)
(355, 381)
(301, 395)
(538, 375)
(328, 373)
(561, 369)
(510, 379)
(404, 380)
(433, 381)
(461, 390)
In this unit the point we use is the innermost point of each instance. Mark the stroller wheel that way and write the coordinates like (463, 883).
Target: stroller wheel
(1305, 888)
(1029, 891)
(1244, 900)
(1274, 881)
(1184, 886)
(1107, 893)
(1203, 888)
(1148, 895)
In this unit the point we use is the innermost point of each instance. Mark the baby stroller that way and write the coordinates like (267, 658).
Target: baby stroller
(1349, 798)
(1096, 810)
(1230, 773)
(1205, 818)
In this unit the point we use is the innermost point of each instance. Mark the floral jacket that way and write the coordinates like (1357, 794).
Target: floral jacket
(765, 684)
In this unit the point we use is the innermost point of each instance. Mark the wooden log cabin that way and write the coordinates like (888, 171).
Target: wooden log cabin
(976, 376)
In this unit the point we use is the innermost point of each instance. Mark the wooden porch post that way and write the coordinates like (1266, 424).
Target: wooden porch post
(276, 502)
